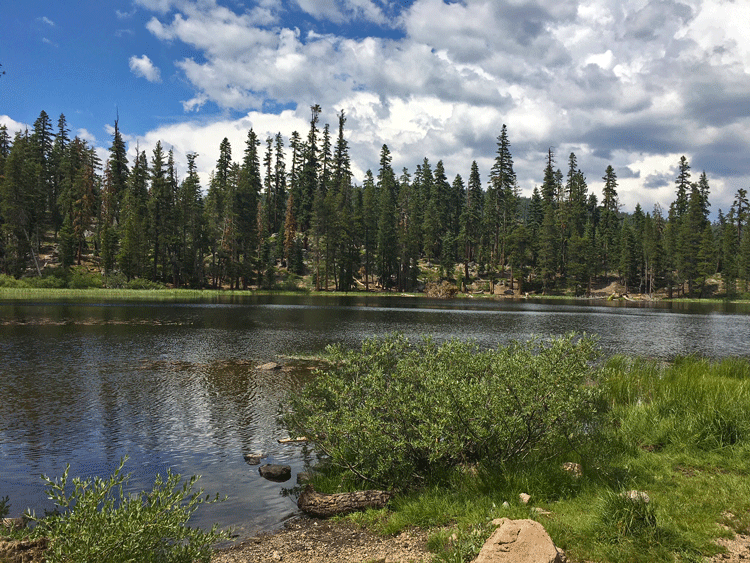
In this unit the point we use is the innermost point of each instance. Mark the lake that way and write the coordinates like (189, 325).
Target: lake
(176, 385)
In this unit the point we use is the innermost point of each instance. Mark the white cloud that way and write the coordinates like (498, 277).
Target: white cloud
(48, 21)
(13, 126)
(143, 67)
(627, 82)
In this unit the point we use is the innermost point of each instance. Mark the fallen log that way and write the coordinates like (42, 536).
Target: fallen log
(322, 505)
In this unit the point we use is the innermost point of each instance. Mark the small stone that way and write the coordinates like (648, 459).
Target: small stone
(638, 496)
(575, 470)
(276, 556)
(540, 511)
(524, 498)
(253, 459)
(506, 504)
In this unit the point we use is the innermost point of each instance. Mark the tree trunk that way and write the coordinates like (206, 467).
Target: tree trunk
(324, 505)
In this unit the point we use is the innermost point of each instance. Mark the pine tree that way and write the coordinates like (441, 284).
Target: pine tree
(707, 256)
(160, 204)
(609, 222)
(503, 183)
(245, 205)
(471, 219)
(190, 224)
(133, 245)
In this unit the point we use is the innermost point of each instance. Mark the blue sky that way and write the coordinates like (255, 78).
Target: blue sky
(631, 83)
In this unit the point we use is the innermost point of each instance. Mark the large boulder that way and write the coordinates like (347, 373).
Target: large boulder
(519, 541)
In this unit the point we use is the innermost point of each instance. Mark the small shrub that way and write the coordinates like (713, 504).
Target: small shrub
(11, 282)
(81, 278)
(98, 521)
(141, 283)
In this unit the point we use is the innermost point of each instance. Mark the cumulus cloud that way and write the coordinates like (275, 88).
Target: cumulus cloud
(143, 67)
(622, 82)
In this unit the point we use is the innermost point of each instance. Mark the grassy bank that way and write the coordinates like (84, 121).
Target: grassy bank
(679, 432)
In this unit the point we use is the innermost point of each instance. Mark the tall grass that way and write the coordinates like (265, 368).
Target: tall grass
(691, 403)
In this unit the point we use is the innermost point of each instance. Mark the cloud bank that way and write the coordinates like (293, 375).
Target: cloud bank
(631, 83)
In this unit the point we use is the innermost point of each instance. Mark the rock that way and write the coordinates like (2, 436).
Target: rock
(506, 504)
(524, 498)
(540, 511)
(575, 470)
(13, 523)
(253, 459)
(24, 551)
(519, 541)
(278, 473)
(637, 496)
(270, 366)
(276, 556)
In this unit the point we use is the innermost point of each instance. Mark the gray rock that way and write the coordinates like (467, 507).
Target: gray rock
(253, 459)
(278, 473)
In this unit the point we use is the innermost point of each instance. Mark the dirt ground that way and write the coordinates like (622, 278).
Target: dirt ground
(305, 540)
(318, 541)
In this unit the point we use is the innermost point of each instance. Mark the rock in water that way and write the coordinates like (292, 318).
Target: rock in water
(279, 473)
(253, 459)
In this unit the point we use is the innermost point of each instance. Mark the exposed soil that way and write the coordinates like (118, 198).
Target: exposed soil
(306, 540)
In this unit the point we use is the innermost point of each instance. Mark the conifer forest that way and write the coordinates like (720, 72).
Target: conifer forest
(276, 204)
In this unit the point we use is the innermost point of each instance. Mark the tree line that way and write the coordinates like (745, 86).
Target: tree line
(275, 206)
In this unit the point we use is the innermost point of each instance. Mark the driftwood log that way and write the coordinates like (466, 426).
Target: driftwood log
(323, 505)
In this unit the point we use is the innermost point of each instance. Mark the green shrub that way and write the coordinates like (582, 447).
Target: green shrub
(398, 415)
(10, 281)
(49, 281)
(80, 278)
(141, 283)
(98, 521)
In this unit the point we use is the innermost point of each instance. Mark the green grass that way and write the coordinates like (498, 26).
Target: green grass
(680, 432)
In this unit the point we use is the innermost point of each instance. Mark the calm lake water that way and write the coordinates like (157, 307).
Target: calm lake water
(175, 385)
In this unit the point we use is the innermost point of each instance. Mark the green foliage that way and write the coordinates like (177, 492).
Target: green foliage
(692, 403)
(10, 281)
(143, 283)
(98, 521)
(4, 507)
(399, 414)
(624, 514)
(81, 278)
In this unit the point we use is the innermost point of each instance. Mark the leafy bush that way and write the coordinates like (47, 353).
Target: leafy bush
(98, 521)
(10, 281)
(141, 283)
(80, 278)
(397, 414)
(4, 507)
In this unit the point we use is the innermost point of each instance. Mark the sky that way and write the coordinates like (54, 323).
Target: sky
(634, 84)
